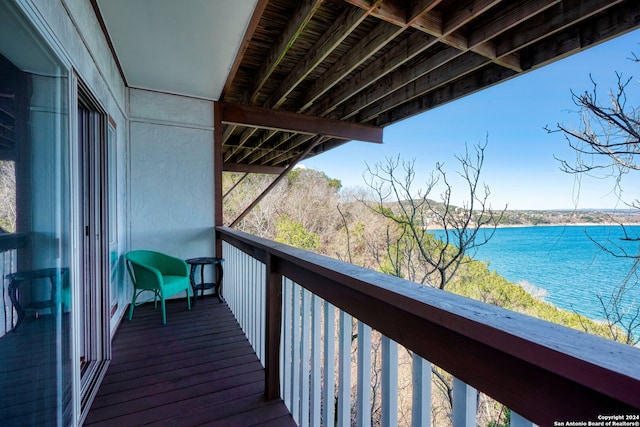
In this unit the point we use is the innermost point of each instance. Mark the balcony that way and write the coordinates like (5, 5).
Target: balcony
(288, 302)
(199, 368)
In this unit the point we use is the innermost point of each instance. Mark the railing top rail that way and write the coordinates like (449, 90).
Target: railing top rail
(506, 354)
(10, 241)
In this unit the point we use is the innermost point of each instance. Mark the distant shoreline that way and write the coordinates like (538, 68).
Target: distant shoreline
(572, 224)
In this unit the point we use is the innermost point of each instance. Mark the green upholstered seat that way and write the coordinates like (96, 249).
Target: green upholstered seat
(162, 274)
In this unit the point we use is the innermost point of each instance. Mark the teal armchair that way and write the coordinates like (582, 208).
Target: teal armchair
(159, 273)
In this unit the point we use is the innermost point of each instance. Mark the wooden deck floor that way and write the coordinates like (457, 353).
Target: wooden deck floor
(198, 369)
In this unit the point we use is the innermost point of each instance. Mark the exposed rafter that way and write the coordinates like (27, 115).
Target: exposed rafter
(377, 62)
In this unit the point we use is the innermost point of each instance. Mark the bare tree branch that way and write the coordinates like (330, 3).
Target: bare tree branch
(425, 258)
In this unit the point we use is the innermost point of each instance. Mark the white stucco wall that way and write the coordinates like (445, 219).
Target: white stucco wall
(171, 174)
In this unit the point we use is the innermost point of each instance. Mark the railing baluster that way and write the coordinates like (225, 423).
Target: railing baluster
(295, 364)
(273, 330)
(464, 404)
(344, 370)
(316, 355)
(305, 352)
(389, 382)
(287, 325)
(248, 302)
(421, 404)
(363, 401)
(263, 313)
(329, 412)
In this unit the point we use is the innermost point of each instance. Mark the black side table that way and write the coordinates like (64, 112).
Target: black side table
(216, 285)
(56, 283)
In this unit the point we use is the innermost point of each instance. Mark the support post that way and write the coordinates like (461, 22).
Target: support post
(217, 172)
(273, 326)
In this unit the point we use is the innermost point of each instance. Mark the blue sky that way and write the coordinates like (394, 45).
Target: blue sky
(520, 168)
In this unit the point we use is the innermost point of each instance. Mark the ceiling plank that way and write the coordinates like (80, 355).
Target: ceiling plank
(464, 15)
(389, 11)
(266, 118)
(459, 66)
(300, 19)
(553, 20)
(363, 50)
(290, 153)
(418, 8)
(254, 155)
(602, 27)
(395, 82)
(409, 48)
(366, 48)
(512, 15)
(341, 28)
(251, 28)
(287, 150)
(244, 137)
(405, 51)
(470, 83)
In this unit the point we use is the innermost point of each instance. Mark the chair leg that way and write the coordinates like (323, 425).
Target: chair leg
(188, 300)
(164, 311)
(133, 304)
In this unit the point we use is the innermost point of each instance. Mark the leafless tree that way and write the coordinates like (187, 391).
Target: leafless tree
(608, 140)
(427, 259)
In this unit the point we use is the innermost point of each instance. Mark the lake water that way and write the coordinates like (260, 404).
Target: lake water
(563, 261)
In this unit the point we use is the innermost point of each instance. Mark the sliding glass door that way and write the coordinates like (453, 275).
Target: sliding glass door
(36, 368)
(94, 301)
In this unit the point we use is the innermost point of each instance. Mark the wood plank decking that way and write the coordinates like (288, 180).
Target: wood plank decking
(198, 369)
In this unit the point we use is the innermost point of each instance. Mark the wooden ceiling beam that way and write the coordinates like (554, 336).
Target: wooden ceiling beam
(227, 132)
(552, 20)
(264, 138)
(335, 34)
(513, 14)
(244, 137)
(381, 89)
(237, 167)
(418, 8)
(489, 51)
(600, 28)
(276, 147)
(293, 147)
(571, 39)
(471, 82)
(463, 15)
(366, 48)
(363, 50)
(299, 21)
(390, 11)
(407, 50)
(266, 118)
(459, 66)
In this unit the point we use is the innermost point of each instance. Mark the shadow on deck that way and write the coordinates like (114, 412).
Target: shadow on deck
(198, 369)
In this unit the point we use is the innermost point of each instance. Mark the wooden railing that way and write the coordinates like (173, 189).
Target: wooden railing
(284, 299)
